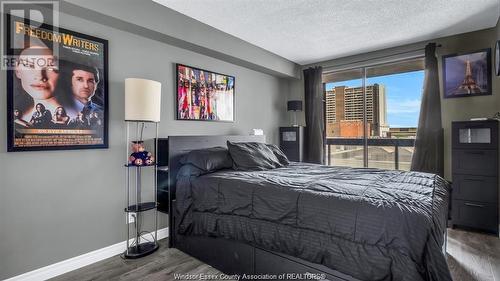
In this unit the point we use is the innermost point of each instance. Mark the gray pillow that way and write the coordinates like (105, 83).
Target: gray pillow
(188, 170)
(249, 156)
(209, 159)
(279, 154)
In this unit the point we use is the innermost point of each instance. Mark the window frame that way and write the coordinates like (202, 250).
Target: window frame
(366, 141)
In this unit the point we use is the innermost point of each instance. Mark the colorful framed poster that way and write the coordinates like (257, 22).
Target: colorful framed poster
(204, 95)
(57, 88)
(467, 75)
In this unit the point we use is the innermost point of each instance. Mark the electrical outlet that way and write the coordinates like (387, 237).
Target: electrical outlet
(131, 217)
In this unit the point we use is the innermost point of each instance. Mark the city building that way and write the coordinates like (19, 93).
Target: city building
(344, 111)
(406, 132)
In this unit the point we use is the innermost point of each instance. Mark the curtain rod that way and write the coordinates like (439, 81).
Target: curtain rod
(378, 58)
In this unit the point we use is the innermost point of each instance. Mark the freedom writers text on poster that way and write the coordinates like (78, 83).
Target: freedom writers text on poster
(57, 89)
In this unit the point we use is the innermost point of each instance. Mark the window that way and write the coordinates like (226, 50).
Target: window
(372, 114)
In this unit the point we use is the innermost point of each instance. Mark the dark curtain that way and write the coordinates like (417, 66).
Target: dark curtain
(429, 144)
(314, 111)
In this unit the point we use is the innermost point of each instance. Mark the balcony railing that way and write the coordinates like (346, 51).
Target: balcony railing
(350, 152)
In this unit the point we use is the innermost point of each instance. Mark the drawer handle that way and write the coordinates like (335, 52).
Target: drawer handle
(474, 205)
(479, 180)
(475, 152)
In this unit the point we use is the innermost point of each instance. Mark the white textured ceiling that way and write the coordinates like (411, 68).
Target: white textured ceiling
(307, 31)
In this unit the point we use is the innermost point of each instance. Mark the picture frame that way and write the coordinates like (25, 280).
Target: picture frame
(67, 109)
(497, 58)
(467, 74)
(204, 95)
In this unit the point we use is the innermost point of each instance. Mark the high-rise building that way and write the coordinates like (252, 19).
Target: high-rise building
(344, 111)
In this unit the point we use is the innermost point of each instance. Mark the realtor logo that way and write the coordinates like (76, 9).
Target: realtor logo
(26, 18)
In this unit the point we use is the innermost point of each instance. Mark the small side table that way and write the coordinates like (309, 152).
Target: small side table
(291, 142)
(144, 242)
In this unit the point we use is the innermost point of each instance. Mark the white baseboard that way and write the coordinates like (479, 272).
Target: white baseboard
(71, 264)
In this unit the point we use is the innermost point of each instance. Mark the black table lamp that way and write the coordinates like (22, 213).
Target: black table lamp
(294, 105)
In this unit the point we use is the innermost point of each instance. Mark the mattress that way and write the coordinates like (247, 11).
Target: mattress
(368, 223)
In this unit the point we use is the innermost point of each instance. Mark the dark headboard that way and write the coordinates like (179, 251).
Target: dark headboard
(180, 145)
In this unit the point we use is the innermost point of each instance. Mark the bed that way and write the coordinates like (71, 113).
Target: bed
(318, 222)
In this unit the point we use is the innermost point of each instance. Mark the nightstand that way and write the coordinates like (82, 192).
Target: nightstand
(291, 142)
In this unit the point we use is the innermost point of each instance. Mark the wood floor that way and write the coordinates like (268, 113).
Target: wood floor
(164, 264)
(471, 257)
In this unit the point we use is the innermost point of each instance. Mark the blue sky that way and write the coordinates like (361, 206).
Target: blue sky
(403, 94)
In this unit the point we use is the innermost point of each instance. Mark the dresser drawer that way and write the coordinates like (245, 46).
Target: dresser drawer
(228, 256)
(475, 134)
(267, 263)
(475, 188)
(475, 214)
(475, 162)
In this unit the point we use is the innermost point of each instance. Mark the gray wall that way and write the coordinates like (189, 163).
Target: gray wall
(59, 204)
(452, 109)
(459, 109)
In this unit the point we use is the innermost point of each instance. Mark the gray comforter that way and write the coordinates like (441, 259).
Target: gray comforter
(368, 223)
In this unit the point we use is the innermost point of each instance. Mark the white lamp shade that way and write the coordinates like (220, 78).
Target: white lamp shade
(142, 100)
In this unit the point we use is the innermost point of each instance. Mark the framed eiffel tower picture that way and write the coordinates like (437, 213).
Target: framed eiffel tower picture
(467, 74)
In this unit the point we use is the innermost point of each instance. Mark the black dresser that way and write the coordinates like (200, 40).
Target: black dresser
(291, 142)
(475, 175)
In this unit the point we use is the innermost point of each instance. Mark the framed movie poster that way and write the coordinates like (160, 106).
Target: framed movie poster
(204, 95)
(466, 75)
(57, 88)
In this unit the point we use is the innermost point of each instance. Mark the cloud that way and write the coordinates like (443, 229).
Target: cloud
(403, 106)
